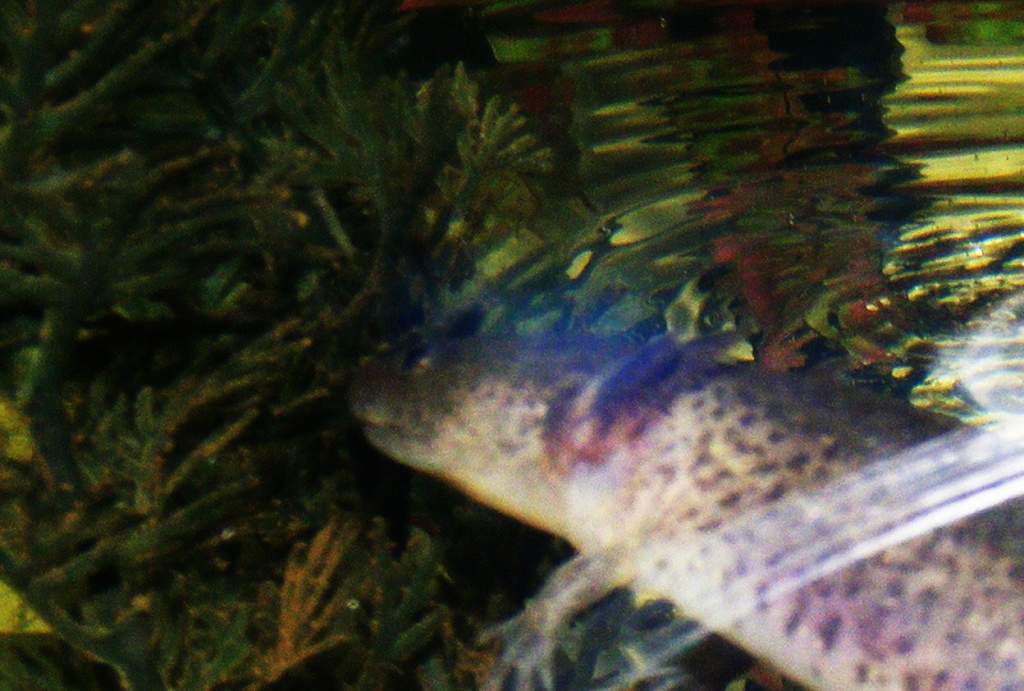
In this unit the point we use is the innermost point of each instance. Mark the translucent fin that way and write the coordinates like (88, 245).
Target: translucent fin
(771, 552)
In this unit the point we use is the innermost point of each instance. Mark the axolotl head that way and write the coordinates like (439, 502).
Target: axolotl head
(473, 412)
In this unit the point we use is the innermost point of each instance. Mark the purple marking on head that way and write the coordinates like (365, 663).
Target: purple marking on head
(657, 374)
(584, 425)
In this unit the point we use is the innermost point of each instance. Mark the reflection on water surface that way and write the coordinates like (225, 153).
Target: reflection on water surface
(830, 174)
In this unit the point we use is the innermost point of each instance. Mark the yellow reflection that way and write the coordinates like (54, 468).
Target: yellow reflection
(654, 218)
(579, 264)
(994, 164)
(957, 120)
(955, 93)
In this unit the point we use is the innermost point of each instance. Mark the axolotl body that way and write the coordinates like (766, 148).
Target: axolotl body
(631, 453)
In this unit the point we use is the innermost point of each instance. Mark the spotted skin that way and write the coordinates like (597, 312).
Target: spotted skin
(940, 612)
(617, 451)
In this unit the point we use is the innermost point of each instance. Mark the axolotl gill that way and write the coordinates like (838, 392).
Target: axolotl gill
(630, 452)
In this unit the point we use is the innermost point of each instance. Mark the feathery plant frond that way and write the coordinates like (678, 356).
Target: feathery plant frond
(312, 604)
(472, 163)
(328, 593)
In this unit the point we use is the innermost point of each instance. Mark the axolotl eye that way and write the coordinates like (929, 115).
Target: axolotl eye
(416, 358)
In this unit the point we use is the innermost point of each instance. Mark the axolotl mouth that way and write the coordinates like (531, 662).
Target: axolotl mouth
(384, 399)
(474, 412)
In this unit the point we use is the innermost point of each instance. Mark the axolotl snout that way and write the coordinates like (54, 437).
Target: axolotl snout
(632, 453)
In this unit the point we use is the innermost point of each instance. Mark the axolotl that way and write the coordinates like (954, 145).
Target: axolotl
(631, 454)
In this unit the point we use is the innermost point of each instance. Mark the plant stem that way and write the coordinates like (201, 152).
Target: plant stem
(49, 424)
